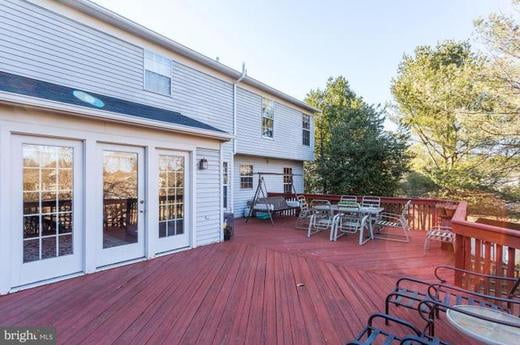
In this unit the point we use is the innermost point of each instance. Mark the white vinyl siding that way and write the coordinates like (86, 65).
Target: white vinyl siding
(38, 43)
(287, 139)
(208, 198)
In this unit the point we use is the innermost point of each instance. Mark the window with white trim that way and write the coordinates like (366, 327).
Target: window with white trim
(225, 184)
(246, 176)
(287, 180)
(157, 73)
(306, 130)
(267, 118)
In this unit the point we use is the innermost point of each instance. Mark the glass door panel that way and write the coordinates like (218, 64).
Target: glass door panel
(171, 195)
(120, 193)
(47, 202)
(122, 203)
(47, 208)
(172, 174)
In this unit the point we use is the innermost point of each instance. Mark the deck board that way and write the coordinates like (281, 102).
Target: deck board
(240, 292)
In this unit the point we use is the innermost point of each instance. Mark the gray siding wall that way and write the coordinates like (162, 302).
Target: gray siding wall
(208, 198)
(41, 44)
(287, 138)
(274, 183)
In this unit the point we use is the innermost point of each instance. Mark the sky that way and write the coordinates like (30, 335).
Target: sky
(296, 45)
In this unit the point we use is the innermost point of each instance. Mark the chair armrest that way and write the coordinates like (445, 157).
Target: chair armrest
(446, 267)
(413, 280)
(440, 287)
(387, 317)
(391, 216)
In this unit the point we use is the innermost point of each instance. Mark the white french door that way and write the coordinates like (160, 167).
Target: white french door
(121, 197)
(47, 208)
(173, 178)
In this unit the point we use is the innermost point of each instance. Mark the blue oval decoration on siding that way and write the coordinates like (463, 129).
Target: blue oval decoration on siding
(87, 98)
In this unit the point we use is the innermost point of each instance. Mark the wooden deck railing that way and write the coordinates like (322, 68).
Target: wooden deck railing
(483, 248)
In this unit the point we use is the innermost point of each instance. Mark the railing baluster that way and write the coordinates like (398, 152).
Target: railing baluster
(499, 267)
(478, 264)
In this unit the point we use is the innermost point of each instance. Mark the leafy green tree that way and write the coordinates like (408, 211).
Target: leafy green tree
(500, 35)
(354, 155)
(445, 100)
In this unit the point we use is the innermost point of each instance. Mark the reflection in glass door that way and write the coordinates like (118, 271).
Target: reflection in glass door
(173, 173)
(171, 195)
(120, 191)
(47, 204)
(122, 233)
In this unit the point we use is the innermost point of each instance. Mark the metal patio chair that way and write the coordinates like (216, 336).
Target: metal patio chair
(304, 215)
(376, 335)
(411, 293)
(387, 222)
(321, 217)
(348, 198)
(443, 234)
(371, 201)
(351, 223)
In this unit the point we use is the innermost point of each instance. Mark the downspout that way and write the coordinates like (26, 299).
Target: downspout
(242, 76)
(231, 197)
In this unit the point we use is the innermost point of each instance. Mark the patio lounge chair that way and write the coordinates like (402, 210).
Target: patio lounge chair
(443, 234)
(387, 222)
(376, 335)
(321, 217)
(411, 293)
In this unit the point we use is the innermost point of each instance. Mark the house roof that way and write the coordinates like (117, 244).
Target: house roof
(92, 9)
(34, 88)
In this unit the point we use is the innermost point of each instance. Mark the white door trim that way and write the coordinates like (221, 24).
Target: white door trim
(5, 214)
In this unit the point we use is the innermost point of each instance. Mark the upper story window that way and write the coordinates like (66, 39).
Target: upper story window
(157, 73)
(267, 117)
(306, 130)
(246, 176)
(287, 180)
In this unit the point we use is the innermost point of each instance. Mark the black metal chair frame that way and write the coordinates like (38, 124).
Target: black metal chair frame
(437, 296)
(370, 333)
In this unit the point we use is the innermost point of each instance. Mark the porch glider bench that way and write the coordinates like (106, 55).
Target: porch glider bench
(275, 204)
(272, 204)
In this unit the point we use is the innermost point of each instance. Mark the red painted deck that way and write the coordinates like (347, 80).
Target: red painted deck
(239, 292)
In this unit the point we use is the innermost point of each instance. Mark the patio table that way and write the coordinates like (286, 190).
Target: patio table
(364, 210)
(482, 330)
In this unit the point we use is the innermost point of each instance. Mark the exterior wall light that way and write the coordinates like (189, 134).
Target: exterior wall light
(203, 164)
